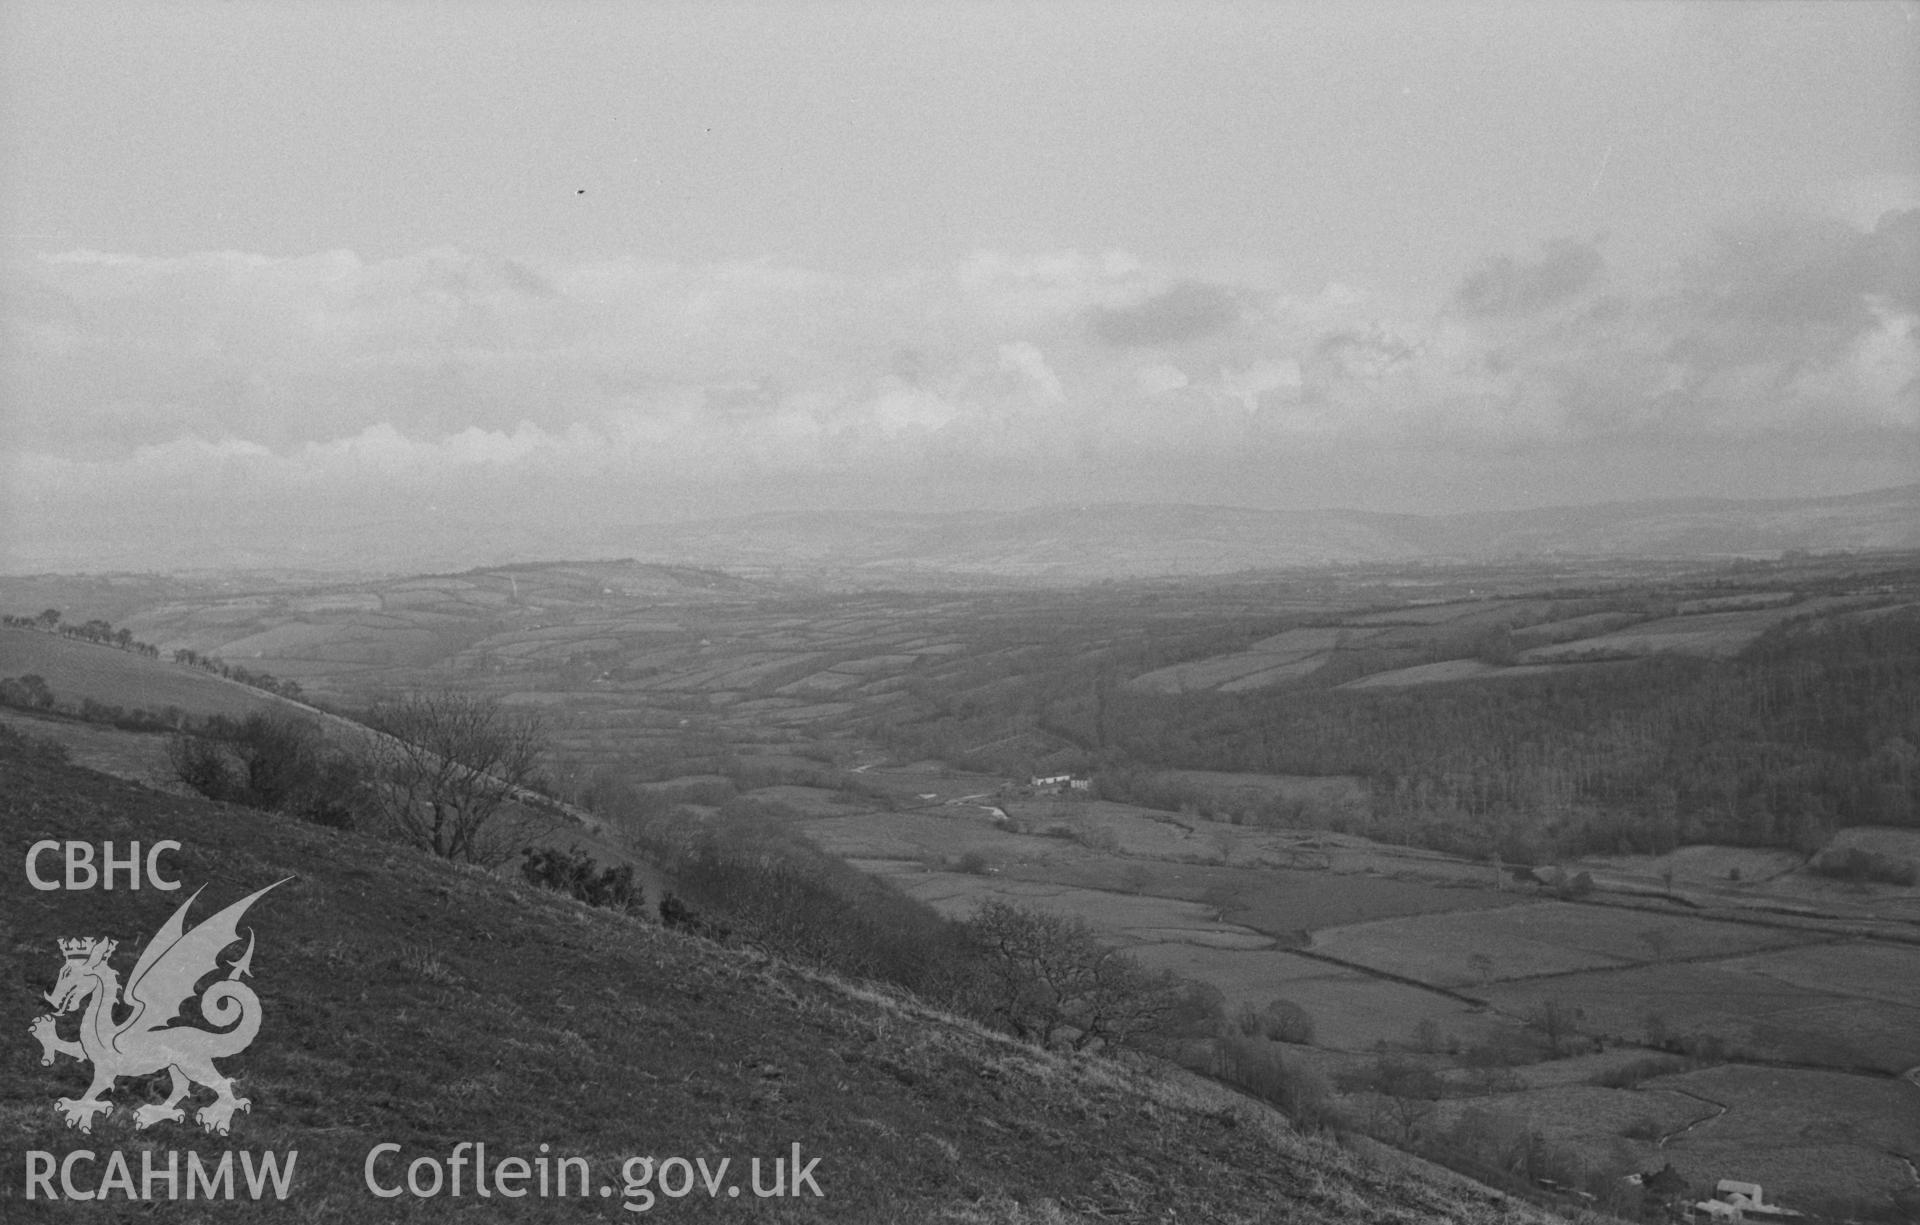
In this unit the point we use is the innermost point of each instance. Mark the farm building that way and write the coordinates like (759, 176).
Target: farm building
(1062, 782)
(1733, 1191)
(1746, 1196)
(1735, 1200)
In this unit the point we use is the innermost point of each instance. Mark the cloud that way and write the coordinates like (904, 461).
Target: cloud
(1021, 296)
(1798, 270)
(1862, 202)
(1266, 383)
(1894, 255)
(1801, 319)
(350, 387)
(1502, 285)
(1798, 322)
(1160, 378)
(1027, 360)
(1186, 310)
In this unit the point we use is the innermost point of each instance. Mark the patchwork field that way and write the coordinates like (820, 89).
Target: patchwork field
(1229, 669)
(1282, 882)
(1701, 865)
(1293, 902)
(1121, 828)
(937, 835)
(1830, 1024)
(928, 782)
(1447, 670)
(1278, 674)
(1590, 1116)
(1123, 873)
(1809, 1138)
(1430, 644)
(696, 687)
(1362, 1014)
(1325, 789)
(77, 671)
(1705, 633)
(1352, 1012)
(1538, 939)
(1127, 918)
(1290, 656)
(1884, 972)
(1425, 614)
(1569, 629)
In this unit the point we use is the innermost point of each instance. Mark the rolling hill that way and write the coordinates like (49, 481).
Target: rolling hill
(411, 1003)
(1067, 543)
(78, 671)
(1049, 543)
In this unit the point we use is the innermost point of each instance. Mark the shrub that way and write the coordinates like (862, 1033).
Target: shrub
(337, 793)
(1579, 885)
(202, 764)
(1501, 1050)
(1704, 1048)
(676, 914)
(1492, 1080)
(1257, 1068)
(578, 875)
(43, 747)
(274, 763)
(93, 711)
(711, 793)
(1393, 1077)
(1046, 979)
(1406, 1093)
(29, 692)
(1283, 1021)
(1860, 865)
(1627, 1075)
(796, 902)
(1557, 1022)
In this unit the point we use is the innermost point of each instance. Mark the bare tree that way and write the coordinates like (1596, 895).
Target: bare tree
(273, 762)
(1408, 1093)
(1556, 1023)
(453, 770)
(1406, 1112)
(1049, 980)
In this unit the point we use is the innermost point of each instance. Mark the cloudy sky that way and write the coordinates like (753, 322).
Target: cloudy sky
(271, 272)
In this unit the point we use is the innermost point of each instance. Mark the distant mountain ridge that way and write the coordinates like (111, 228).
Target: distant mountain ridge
(1060, 543)
(1136, 539)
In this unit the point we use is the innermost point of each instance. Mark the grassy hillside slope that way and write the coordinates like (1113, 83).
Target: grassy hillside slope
(76, 671)
(411, 1002)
